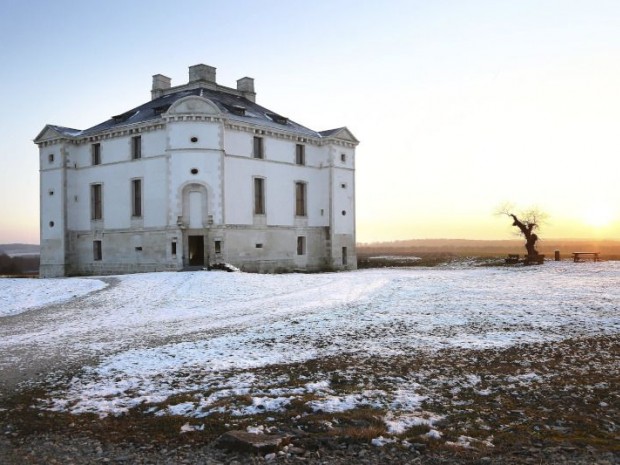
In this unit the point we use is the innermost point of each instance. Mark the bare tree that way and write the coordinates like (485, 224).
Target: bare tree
(527, 222)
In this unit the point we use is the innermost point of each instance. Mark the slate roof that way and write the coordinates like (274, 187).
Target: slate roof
(232, 106)
(65, 130)
(330, 132)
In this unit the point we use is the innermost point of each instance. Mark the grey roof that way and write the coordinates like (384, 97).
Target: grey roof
(330, 132)
(234, 107)
(66, 131)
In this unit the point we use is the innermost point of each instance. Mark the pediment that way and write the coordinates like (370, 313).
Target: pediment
(193, 105)
(51, 132)
(343, 134)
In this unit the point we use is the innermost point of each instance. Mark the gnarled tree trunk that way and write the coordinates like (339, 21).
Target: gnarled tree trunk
(527, 229)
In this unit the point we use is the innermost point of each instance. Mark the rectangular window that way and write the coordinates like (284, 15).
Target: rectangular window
(50, 158)
(136, 197)
(96, 153)
(97, 255)
(344, 256)
(173, 248)
(259, 196)
(259, 150)
(300, 154)
(343, 157)
(136, 147)
(218, 246)
(301, 245)
(300, 199)
(96, 200)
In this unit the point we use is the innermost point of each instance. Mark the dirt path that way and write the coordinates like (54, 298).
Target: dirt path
(24, 358)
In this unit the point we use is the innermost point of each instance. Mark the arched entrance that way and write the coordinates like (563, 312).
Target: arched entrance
(195, 220)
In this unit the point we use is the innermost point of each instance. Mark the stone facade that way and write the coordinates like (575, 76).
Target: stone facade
(199, 175)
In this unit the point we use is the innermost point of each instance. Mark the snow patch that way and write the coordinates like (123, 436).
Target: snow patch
(18, 295)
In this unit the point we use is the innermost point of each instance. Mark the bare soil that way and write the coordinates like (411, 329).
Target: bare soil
(568, 416)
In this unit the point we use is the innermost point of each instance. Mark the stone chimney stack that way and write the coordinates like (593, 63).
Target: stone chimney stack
(160, 83)
(202, 73)
(246, 87)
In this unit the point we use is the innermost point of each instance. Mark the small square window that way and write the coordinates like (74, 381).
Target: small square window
(50, 158)
(343, 157)
(343, 185)
(259, 246)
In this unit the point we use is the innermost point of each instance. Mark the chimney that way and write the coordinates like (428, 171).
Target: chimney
(246, 87)
(160, 83)
(202, 73)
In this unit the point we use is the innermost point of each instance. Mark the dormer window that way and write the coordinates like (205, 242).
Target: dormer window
(161, 109)
(123, 117)
(278, 119)
(238, 110)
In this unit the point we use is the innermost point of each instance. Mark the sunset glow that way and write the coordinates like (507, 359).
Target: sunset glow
(599, 216)
(458, 106)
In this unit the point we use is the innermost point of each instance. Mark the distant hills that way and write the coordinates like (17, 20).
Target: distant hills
(16, 249)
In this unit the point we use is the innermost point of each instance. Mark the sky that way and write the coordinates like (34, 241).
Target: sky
(459, 105)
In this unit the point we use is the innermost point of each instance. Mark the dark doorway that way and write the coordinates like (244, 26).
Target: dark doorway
(196, 246)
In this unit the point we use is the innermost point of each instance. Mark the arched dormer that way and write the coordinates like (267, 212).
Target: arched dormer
(193, 105)
(194, 123)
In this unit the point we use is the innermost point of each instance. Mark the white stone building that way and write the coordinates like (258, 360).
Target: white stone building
(199, 175)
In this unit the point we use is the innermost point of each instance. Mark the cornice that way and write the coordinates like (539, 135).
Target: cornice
(234, 125)
(121, 132)
(58, 140)
(268, 131)
(286, 135)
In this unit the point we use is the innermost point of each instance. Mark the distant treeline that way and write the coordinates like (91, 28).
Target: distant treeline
(20, 265)
(609, 249)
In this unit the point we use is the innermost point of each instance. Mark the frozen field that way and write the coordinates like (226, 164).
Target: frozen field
(202, 337)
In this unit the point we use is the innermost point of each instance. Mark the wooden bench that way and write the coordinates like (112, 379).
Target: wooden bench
(578, 255)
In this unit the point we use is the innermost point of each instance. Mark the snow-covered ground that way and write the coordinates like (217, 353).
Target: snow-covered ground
(205, 333)
(21, 295)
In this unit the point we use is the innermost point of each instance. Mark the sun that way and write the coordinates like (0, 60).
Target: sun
(598, 216)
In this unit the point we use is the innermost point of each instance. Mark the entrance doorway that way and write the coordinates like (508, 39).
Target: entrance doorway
(196, 245)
